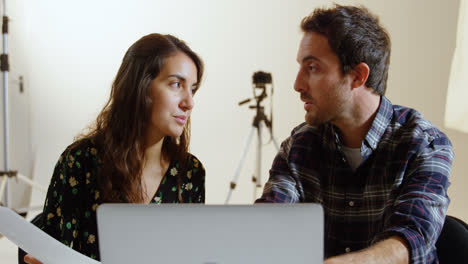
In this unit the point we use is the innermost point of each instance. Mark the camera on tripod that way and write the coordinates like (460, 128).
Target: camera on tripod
(260, 81)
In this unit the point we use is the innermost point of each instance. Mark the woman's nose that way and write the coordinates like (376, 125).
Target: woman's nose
(187, 102)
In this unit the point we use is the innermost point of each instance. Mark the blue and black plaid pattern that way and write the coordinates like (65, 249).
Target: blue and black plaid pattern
(400, 188)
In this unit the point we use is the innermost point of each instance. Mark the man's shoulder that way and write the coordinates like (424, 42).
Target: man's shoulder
(305, 130)
(411, 127)
(306, 137)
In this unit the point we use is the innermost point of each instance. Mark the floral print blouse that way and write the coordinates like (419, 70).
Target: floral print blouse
(69, 213)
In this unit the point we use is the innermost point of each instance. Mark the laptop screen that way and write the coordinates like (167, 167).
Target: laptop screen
(210, 234)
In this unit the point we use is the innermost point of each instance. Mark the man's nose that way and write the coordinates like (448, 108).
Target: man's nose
(299, 84)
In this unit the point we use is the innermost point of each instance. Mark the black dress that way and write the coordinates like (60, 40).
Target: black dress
(72, 199)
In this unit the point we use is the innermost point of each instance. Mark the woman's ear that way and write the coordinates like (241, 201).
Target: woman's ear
(360, 74)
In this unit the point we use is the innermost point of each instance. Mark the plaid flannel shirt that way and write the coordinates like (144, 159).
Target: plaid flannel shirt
(400, 188)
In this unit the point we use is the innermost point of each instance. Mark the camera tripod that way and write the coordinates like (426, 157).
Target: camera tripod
(256, 125)
(7, 176)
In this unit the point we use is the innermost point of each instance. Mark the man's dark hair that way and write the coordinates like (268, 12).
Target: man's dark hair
(356, 36)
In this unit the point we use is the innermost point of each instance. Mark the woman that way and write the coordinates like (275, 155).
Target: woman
(137, 152)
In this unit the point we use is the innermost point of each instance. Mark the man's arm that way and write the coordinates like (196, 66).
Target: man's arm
(390, 251)
(420, 208)
(412, 229)
(282, 186)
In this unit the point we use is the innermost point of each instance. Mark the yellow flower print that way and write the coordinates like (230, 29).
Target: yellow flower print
(96, 195)
(93, 151)
(75, 233)
(74, 221)
(173, 171)
(88, 175)
(61, 176)
(189, 175)
(50, 215)
(195, 163)
(73, 181)
(91, 239)
(60, 159)
(95, 206)
(189, 186)
(71, 160)
(59, 211)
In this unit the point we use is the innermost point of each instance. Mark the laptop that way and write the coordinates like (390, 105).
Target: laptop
(210, 234)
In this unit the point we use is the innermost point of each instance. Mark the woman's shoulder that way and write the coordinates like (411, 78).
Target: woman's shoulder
(194, 170)
(79, 153)
(193, 162)
(82, 146)
(75, 170)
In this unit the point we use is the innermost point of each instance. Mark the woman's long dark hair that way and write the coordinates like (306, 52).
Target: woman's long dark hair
(121, 127)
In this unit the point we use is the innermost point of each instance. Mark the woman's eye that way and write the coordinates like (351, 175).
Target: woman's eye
(175, 84)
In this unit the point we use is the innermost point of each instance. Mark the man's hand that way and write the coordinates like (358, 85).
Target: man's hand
(30, 260)
(390, 251)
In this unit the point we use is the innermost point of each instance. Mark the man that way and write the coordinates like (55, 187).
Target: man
(380, 171)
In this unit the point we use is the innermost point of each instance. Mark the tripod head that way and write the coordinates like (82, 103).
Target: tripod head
(260, 80)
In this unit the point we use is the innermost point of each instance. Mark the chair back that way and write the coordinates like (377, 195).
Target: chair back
(452, 245)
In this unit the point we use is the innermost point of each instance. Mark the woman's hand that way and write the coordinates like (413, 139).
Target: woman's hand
(30, 260)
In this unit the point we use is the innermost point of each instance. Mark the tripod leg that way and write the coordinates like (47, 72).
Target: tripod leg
(2, 187)
(31, 183)
(239, 167)
(258, 178)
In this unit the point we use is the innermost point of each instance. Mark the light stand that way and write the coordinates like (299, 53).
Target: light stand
(6, 175)
(4, 66)
(260, 79)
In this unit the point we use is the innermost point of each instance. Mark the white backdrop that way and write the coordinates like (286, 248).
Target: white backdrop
(69, 51)
(456, 115)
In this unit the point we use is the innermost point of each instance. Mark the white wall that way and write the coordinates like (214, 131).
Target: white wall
(72, 50)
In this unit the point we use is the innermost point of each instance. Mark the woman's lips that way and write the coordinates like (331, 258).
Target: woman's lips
(181, 119)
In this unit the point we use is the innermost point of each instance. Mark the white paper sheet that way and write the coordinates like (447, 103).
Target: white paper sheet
(36, 242)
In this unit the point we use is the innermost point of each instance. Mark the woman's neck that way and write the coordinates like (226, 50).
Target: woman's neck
(153, 153)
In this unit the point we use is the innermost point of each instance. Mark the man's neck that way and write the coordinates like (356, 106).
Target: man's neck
(355, 124)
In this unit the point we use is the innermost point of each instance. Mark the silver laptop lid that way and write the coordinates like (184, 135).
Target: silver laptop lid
(210, 234)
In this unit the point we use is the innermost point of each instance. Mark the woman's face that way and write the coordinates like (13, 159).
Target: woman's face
(172, 94)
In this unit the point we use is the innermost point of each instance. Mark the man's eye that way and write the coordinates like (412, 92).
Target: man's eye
(312, 68)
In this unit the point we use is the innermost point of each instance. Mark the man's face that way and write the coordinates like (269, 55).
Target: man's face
(323, 88)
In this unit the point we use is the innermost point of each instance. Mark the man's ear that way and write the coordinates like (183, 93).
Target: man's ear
(360, 74)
